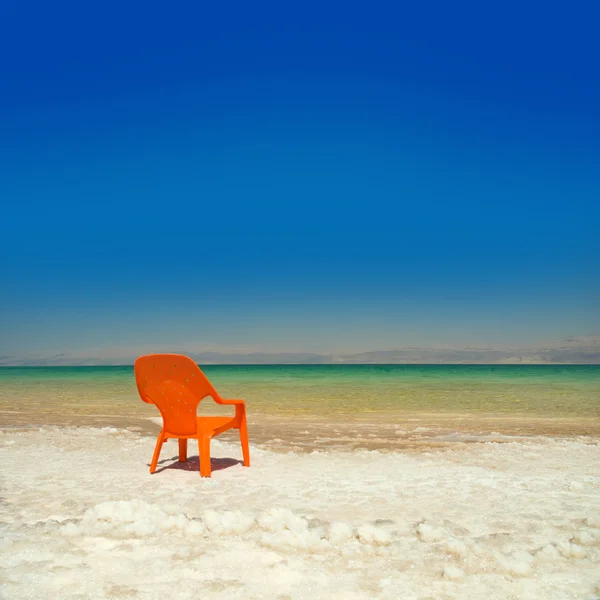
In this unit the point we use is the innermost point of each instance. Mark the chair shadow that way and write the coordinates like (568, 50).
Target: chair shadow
(193, 464)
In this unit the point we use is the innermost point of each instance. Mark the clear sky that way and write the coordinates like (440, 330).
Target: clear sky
(327, 176)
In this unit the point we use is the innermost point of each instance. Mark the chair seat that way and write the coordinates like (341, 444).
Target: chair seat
(209, 424)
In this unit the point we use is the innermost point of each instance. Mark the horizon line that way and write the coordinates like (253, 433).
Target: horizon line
(331, 364)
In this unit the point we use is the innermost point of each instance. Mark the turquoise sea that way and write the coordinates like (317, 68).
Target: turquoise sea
(548, 399)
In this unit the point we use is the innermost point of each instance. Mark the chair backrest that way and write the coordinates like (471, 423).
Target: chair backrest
(176, 385)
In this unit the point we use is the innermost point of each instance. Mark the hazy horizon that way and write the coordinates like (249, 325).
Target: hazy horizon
(575, 350)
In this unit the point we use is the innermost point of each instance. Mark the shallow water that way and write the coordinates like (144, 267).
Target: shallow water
(355, 405)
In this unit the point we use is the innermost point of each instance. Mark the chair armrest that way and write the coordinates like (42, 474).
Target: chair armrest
(240, 408)
(234, 402)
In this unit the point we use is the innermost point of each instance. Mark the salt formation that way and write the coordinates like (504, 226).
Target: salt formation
(82, 518)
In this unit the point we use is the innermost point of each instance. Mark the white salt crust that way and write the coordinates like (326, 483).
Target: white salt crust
(81, 517)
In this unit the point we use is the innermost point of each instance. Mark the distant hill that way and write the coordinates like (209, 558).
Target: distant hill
(576, 350)
(582, 350)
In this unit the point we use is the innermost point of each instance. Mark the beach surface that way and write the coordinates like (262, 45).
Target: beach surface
(81, 517)
(416, 484)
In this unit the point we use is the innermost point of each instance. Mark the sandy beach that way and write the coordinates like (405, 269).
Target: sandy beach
(366, 482)
(82, 518)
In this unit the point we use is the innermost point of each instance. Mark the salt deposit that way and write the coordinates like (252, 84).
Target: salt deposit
(81, 517)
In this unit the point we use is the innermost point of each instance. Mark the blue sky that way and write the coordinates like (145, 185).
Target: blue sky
(324, 177)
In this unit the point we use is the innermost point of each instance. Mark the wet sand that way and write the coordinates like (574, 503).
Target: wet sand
(300, 433)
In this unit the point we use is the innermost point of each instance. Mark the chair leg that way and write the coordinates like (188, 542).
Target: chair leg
(159, 442)
(244, 441)
(182, 449)
(204, 455)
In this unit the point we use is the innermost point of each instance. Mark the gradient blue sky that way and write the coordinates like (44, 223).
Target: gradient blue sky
(316, 177)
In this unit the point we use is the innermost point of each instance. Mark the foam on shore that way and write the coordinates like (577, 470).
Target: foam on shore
(82, 518)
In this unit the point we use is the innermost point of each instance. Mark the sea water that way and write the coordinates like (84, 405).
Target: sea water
(507, 399)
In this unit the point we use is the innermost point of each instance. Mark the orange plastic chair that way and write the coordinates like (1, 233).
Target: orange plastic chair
(176, 385)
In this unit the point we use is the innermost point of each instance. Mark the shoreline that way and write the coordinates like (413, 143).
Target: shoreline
(301, 433)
